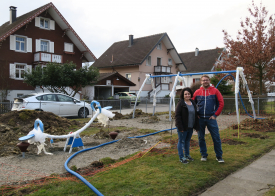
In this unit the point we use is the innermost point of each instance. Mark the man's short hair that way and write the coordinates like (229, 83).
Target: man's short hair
(206, 76)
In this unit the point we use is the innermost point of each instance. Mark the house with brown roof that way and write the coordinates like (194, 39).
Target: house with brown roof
(106, 85)
(200, 61)
(40, 36)
(136, 57)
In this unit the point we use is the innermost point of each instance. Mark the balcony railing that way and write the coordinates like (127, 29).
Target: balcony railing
(46, 57)
(162, 69)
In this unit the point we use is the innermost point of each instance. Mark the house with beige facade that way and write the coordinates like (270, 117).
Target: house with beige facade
(136, 57)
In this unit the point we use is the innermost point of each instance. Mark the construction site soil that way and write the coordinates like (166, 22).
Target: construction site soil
(17, 124)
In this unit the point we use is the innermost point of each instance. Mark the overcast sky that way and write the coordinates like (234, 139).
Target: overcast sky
(188, 23)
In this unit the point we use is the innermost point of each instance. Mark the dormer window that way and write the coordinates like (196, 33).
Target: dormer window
(45, 23)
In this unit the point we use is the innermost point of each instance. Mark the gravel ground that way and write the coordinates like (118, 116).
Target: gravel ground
(15, 168)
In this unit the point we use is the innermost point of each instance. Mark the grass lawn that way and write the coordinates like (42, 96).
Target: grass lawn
(159, 172)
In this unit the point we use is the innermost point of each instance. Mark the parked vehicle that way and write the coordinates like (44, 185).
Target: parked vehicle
(57, 103)
(126, 95)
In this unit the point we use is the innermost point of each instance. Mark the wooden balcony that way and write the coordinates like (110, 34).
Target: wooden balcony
(159, 69)
(47, 57)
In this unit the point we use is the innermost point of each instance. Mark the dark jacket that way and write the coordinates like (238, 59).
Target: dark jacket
(181, 116)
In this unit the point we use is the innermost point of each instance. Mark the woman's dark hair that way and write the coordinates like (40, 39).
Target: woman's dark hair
(186, 89)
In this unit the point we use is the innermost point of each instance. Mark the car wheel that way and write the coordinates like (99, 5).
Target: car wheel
(81, 113)
(138, 103)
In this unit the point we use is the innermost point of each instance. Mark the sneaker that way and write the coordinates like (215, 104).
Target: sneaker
(220, 160)
(189, 158)
(204, 158)
(184, 161)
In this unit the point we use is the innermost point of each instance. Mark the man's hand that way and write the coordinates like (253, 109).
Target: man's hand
(212, 117)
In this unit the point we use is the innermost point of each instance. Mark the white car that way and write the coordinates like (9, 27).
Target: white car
(57, 103)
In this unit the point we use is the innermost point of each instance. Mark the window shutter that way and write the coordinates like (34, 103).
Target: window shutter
(52, 24)
(37, 45)
(65, 47)
(29, 44)
(52, 47)
(28, 68)
(12, 70)
(12, 42)
(37, 21)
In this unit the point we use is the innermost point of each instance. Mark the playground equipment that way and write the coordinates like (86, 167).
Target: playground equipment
(38, 137)
(179, 77)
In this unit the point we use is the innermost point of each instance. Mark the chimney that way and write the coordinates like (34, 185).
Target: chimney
(131, 40)
(12, 14)
(196, 52)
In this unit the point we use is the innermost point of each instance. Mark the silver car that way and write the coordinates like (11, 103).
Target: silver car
(57, 103)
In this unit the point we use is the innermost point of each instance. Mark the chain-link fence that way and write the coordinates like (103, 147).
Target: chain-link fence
(263, 106)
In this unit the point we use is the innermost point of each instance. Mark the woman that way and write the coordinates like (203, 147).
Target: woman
(186, 120)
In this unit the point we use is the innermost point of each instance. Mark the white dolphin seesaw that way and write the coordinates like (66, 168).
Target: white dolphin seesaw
(38, 137)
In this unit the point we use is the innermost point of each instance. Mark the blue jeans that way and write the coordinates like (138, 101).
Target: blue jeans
(213, 128)
(184, 142)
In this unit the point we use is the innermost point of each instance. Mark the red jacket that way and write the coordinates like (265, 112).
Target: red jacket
(209, 101)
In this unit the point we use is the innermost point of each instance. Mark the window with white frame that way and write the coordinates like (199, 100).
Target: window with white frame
(44, 45)
(148, 61)
(68, 47)
(169, 61)
(159, 46)
(128, 76)
(20, 43)
(45, 23)
(18, 70)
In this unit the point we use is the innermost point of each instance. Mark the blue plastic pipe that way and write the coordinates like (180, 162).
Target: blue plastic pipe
(87, 149)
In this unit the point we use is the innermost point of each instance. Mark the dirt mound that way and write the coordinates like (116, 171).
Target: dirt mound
(262, 125)
(102, 134)
(16, 124)
(232, 142)
(252, 135)
(131, 143)
(151, 119)
(138, 113)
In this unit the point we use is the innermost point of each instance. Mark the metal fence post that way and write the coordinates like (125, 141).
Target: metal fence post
(40, 105)
(84, 109)
(258, 106)
(120, 105)
(146, 105)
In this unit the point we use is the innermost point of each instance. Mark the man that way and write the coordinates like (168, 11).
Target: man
(210, 104)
